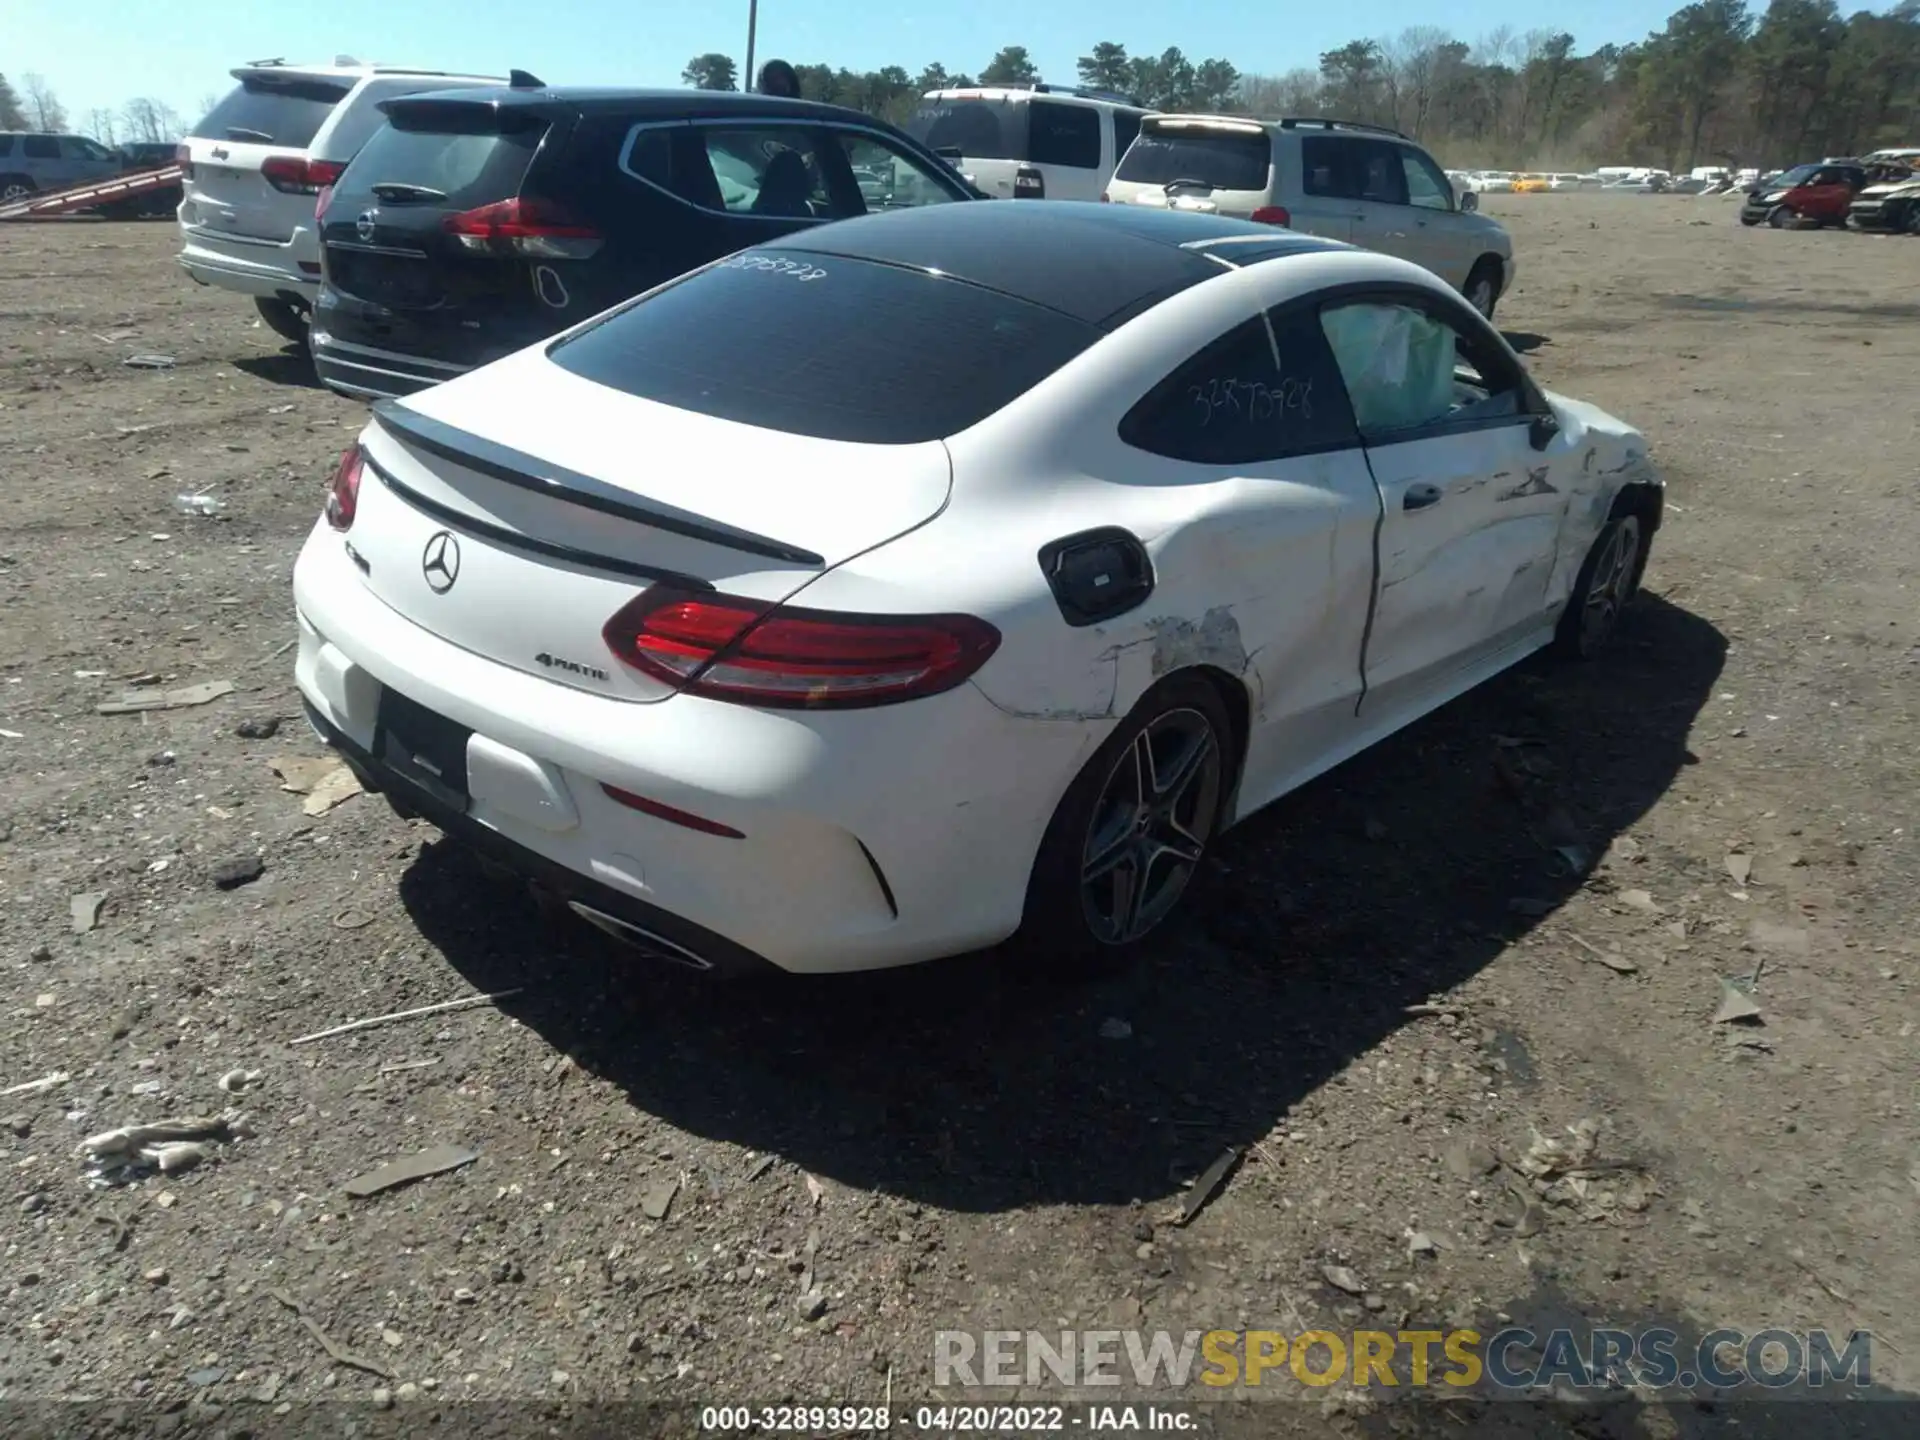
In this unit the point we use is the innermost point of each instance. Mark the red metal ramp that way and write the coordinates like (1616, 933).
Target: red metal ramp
(90, 196)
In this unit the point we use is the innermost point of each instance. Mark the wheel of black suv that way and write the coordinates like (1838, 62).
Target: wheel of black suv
(1607, 582)
(1132, 829)
(285, 321)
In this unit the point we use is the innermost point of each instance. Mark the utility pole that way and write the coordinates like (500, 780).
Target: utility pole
(753, 23)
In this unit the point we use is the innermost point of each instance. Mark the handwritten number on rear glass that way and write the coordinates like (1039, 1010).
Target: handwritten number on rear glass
(1232, 400)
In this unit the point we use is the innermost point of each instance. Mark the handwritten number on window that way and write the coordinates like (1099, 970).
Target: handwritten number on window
(1231, 401)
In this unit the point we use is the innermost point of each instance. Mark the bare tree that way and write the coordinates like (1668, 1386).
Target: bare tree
(151, 121)
(43, 106)
(1295, 93)
(103, 126)
(1415, 59)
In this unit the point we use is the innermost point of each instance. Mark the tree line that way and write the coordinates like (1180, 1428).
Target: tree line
(1719, 84)
(34, 106)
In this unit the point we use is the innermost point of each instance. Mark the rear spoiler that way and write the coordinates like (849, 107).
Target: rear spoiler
(542, 477)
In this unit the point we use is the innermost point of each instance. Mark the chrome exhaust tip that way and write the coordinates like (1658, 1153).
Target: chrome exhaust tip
(637, 937)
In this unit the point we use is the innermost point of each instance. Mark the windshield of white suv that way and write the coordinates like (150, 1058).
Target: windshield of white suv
(266, 110)
(978, 129)
(1222, 159)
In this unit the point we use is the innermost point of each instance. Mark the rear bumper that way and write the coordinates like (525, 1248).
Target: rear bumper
(261, 268)
(869, 839)
(374, 373)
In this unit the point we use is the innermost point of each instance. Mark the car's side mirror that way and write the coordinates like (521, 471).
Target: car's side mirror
(1545, 426)
(1469, 201)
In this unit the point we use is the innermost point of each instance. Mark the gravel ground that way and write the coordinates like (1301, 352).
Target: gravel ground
(695, 1192)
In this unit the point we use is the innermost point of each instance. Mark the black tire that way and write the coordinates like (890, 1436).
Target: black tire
(1077, 920)
(1912, 227)
(15, 187)
(1782, 217)
(285, 321)
(1484, 279)
(1749, 220)
(1608, 580)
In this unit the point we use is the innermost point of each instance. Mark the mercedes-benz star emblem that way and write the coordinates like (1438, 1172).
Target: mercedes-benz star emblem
(440, 561)
(363, 227)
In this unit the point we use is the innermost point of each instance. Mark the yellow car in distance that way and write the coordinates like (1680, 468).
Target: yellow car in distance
(1532, 185)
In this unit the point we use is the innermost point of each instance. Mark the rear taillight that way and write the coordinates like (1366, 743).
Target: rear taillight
(1029, 184)
(747, 651)
(538, 229)
(1271, 215)
(293, 175)
(344, 498)
(183, 157)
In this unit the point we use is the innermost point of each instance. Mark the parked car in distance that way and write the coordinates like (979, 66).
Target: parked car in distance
(1358, 183)
(477, 222)
(1892, 205)
(1034, 142)
(147, 155)
(255, 165)
(749, 615)
(33, 163)
(1822, 194)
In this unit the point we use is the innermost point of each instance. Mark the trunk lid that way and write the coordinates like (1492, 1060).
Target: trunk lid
(270, 115)
(561, 511)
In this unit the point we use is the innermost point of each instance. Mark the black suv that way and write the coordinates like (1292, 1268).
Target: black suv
(477, 222)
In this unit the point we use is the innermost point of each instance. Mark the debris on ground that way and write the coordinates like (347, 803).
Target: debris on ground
(135, 702)
(34, 1087)
(1205, 1187)
(464, 1003)
(1737, 1006)
(339, 785)
(760, 1167)
(299, 774)
(1114, 1028)
(1342, 1278)
(436, 1161)
(169, 1146)
(234, 1081)
(1639, 900)
(86, 910)
(658, 1199)
(1612, 959)
(207, 505)
(816, 1192)
(148, 362)
(336, 1352)
(241, 870)
(263, 728)
(1740, 867)
(1571, 1173)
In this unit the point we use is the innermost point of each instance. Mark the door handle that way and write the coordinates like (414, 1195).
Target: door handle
(1419, 497)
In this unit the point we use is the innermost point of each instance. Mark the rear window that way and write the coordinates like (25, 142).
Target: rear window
(267, 111)
(822, 345)
(1221, 159)
(978, 129)
(470, 168)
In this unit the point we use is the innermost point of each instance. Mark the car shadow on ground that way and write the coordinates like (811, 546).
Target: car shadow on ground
(974, 1085)
(290, 367)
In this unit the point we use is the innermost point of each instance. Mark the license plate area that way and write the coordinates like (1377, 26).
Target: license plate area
(424, 747)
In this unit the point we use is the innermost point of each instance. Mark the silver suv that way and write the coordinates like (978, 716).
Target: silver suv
(1340, 180)
(32, 163)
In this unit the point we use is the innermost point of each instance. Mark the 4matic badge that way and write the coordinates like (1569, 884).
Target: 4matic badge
(572, 667)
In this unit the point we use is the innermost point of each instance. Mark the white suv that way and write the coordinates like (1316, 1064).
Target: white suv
(1035, 142)
(1359, 183)
(254, 168)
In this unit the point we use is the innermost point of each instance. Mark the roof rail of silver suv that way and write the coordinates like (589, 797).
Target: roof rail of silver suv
(1324, 122)
(1085, 92)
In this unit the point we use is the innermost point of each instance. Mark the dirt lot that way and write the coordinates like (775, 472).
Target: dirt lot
(959, 1147)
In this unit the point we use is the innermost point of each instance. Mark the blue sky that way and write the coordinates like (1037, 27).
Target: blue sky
(99, 53)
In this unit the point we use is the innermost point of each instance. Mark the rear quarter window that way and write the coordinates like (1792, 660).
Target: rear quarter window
(272, 112)
(1060, 134)
(826, 346)
(978, 129)
(1222, 159)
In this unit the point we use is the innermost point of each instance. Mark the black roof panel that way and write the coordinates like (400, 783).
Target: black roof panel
(653, 104)
(1102, 264)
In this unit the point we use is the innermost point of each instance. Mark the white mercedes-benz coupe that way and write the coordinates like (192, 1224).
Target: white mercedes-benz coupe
(927, 578)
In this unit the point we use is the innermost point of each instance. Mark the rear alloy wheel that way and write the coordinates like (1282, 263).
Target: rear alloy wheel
(1483, 288)
(1607, 582)
(1782, 217)
(285, 321)
(1133, 827)
(12, 189)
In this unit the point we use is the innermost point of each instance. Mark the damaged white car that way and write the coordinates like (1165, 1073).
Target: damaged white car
(929, 578)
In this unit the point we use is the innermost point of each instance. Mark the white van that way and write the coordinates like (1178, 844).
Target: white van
(1037, 142)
